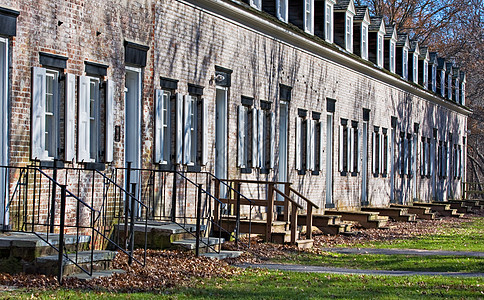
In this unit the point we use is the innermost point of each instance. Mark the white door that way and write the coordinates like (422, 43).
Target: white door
(3, 127)
(414, 166)
(283, 128)
(392, 167)
(132, 137)
(221, 137)
(329, 161)
(364, 166)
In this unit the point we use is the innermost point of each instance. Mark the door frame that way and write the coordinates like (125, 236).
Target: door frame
(283, 146)
(329, 201)
(4, 216)
(221, 136)
(364, 165)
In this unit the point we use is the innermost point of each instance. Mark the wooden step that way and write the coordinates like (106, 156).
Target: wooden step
(49, 265)
(364, 218)
(421, 212)
(399, 214)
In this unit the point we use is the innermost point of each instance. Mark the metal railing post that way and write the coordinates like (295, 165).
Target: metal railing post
(131, 225)
(199, 216)
(173, 199)
(126, 204)
(61, 232)
(237, 220)
(52, 208)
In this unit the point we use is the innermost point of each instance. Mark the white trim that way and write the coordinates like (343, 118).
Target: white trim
(4, 103)
(284, 15)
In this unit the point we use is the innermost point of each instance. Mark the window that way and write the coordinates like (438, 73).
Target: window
(329, 23)
(392, 56)
(308, 16)
(377, 150)
(162, 126)
(457, 96)
(434, 78)
(354, 148)
(364, 41)
(405, 63)
(282, 10)
(318, 145)
(442, 83)
(344, 143)
(268, 139)
(303, 130)
(380, 50)
(255, 128)
(425, 74)
(449, 86)
(403, 157)
(349, 33)
(242, 137)
(415, 68)
(463, 94)
(45, 114)
(385, 153)
(256, 4)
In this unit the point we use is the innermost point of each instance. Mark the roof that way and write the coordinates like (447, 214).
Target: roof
(342, 4)
(375, 23)
(361, 11)
(402, 39)
(424, 53)
(449, 66)
(433, 57)
(389, 31)
(414, 46)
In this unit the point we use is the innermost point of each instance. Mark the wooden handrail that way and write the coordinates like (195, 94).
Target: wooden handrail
(304, 198)
(287, 198)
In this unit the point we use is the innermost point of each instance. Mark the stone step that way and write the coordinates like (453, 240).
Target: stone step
(28, 246)
(96, 274)
(305, 244)
(49, 265)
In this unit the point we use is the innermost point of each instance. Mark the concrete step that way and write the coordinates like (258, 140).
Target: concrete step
(205, 244)
(421, 212)
(160, 235)
(48, 265)
(305, 244)
(223, 254)
(96, 274)
(21, 246)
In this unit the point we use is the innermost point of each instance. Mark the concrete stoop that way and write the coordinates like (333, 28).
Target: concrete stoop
(472, 205)
(366, 219)
(398, 214)
(420, 212)
(49, 265)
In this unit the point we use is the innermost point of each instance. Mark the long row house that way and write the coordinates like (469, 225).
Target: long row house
(315, 93)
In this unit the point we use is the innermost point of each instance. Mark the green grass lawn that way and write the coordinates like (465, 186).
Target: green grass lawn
(263, 284)
(467, 236)
(388, 262)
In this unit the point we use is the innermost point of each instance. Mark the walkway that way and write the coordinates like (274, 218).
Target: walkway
(318, 269)
(391, 251)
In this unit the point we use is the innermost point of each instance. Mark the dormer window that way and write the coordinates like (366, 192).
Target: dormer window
(380, 50)
(329, 22)
(392, 56)
(364, 41)
(349, 33)
(463, 94)
(256, 4)
(415, 68)
(282, 10)
(308, 16)
(425, 75)
(405, 63)
(434, 78)
(442, 83)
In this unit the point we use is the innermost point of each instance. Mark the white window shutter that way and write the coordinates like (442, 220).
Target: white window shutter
(351, 152)
(313, 144)
(179, 129)
(298, 143)
(187, 138)
(109, 121)
(373, 142)
(204, 131)
(340, 150)
(37, 126)
(389, 154)
(241, 137)
(70, 116)
(260, 138)
(158, 143)
(272, 140)
(255, 154)
(447, 167)
(83, 126)
(358, 154)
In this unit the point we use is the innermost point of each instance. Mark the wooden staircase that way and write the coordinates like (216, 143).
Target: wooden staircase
(421, 212)
(398, 214)
(329, 224)
(440, 208)
(366, 219)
